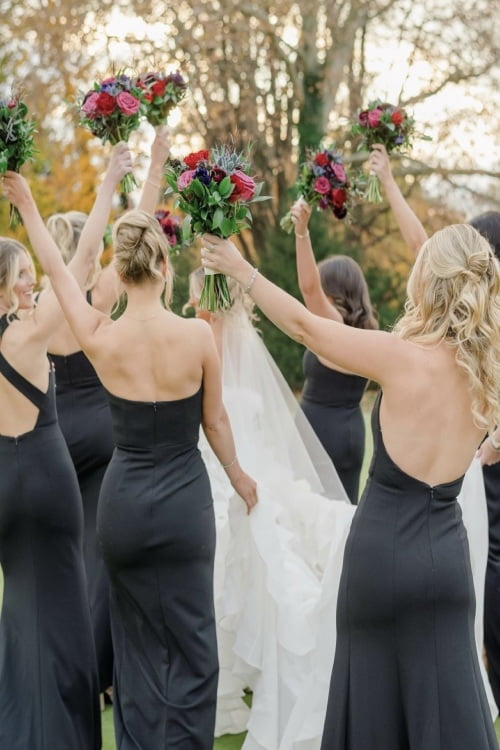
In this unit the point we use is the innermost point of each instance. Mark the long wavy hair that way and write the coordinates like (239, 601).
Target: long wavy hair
(342, 279)
(65, 230)
(454, 296)
(140, 249)
(10, 254)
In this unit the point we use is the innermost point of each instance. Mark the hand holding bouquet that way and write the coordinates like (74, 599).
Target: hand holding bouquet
(16, 141)
(386, 124)
(322, 182)
(110, 110)
(215, 189)
(171, 228)
(161, 93)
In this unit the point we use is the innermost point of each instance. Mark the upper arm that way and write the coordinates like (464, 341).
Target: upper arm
(213, 406)
(318, 303)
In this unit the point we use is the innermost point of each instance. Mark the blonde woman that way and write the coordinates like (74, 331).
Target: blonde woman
(406, 673)
(155, 516)
(48, 676)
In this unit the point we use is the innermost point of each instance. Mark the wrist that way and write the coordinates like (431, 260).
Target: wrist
(302, 235)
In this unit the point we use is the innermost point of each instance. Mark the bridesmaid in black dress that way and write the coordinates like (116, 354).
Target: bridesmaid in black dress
(82, 404)
(335, 289)
(155, 518)
(48, 677)
(406, 673)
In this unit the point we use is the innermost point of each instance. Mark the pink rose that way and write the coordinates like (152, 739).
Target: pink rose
(90, 104)
(185, 179)
(321, 185)
(244, 187)
(339, 172)
(128, 104)
(374, 116)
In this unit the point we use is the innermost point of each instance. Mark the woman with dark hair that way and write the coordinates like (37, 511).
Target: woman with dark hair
(155, 519)
(335, 289)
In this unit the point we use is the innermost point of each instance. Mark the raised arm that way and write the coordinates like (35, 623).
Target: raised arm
(307, 271)
(410, 226)
(365, 352)
(160, 150)
(216, 425)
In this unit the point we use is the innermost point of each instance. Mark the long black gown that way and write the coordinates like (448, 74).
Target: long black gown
(406, 673)
(331, 402)
(49, 697)
(492, 586)
(156, 527)
(85, 421)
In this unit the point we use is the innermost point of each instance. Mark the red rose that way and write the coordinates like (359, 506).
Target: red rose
(192, 160)
(321, 185)
(363, 118)
(105, 104)
(397, 117)
(374, 116)
(158, 88)
(128, 104)
(321, 160)
(339, 197)
(218, 174)
(244, 187)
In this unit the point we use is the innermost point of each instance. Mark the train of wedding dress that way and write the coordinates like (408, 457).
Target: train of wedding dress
(277, 571)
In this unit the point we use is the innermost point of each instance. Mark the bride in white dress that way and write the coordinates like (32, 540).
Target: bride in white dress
(277, 571)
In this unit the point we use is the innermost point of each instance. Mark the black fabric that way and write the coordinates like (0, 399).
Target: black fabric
(492, 585)
(156, 527)
(48, 678)
(406, 673)
(331, 402)
(85, 421)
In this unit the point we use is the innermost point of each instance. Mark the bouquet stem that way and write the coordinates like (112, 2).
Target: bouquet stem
(128, 183)
(373, 194)
(14, 217)
(286, 223)
(215, 294)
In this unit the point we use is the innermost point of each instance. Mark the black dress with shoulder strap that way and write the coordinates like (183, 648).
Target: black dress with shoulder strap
(85, 421)
(406, 672)
(49, 697)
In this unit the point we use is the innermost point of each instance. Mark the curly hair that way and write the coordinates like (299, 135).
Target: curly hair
(342, 279)
(140, 249)
(454, 296)
(10, 253)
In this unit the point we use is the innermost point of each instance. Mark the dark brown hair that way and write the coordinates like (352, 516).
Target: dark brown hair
(342, 279)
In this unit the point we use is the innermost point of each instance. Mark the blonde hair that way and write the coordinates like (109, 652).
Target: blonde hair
(10, 253)
(241, 301)
(65, 230)
(140, 248)
(454, 296)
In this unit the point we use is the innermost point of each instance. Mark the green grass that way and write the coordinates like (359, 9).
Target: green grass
(234, 742)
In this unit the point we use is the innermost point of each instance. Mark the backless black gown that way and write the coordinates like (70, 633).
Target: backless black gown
(492, 588)
(331, 402)
(49, 697)
(156, 527)
(406, 673)
(85, 421)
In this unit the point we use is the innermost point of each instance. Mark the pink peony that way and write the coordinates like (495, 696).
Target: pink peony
(339, 172)
(90, 104)
(244, 187)
(128, 104)
(374, 116)
(322, 186)
(184, 180)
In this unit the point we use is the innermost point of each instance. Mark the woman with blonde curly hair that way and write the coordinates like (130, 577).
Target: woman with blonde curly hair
(155, 519)
(406, 673)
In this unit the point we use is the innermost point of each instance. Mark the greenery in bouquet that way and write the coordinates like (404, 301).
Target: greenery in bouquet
(383, 123)
(111, 111)
(214, 188)
(16, 140)
(323, 183)
(162, 92)
(172, 229)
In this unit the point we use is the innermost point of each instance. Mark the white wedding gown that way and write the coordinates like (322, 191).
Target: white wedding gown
(277, 571)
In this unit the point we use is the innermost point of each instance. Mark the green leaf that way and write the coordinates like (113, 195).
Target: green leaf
(226, 187)
(217, 219)
(227, 227)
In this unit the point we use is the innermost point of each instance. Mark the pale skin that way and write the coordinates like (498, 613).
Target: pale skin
(425, 414)
(415, 235)
(149, 354)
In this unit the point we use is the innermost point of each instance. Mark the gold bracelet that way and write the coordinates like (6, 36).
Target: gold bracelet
(155, 184)
(302, 236)
(227, 466)
(494, 444)
(252, 279)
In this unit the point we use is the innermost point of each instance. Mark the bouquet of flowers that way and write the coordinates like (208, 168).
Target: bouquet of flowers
(161, 94)
(386, 124)
(16, 141)
(214, 189)
(322, 182)
(171, 228)
(110, 110)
